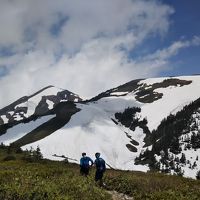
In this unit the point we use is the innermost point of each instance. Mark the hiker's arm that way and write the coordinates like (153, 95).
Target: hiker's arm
(81, 162)
(91, 162)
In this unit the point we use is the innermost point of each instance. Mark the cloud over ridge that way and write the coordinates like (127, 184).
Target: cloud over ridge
(78, 45)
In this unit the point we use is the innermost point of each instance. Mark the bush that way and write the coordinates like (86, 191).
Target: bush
(198, 175)
(10, 157)
(19, 150)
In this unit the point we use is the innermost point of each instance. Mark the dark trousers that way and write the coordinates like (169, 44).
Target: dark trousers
(98, 175)
(84, 170)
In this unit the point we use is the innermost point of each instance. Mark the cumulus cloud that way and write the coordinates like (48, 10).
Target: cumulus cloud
(78, 45)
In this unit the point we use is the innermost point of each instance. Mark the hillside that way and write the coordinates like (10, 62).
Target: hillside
(123, 123)
(23, 177)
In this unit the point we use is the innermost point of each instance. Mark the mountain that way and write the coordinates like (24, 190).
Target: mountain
(37, 104)
(143, 124)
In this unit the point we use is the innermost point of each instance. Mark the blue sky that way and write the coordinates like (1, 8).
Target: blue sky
(186, 24)
(90, 46)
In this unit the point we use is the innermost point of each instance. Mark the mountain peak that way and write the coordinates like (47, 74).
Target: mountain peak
(38, 104)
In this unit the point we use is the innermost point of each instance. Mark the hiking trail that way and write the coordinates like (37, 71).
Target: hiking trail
(119, 196)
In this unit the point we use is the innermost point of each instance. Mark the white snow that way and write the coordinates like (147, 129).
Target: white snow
(32, 103)
(191, 155)
(22, 129)
(144, 96)
(17, 117)
(76, 100)
(118, 104)
(91, 130)
(46, 92)
(119, 93)
(173, 100)
(11, 112)
(5, 119)
(50, 104)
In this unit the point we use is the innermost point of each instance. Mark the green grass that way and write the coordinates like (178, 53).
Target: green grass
(44, 179)
(153, 185)
(22, 180)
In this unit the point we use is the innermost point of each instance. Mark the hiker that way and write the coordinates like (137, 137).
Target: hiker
(85, 163)
(100, 168)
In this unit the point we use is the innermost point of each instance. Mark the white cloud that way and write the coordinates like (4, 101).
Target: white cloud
(78, 45)
(172, 50)
(24, 21)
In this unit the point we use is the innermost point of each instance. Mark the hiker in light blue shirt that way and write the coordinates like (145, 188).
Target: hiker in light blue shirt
(85, 163)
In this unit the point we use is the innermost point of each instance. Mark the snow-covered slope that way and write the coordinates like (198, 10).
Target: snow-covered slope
(22, 129)
(91, 130)
(173, 100)
(97, 128)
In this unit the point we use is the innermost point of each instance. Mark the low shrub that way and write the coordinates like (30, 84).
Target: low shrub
(9, 157)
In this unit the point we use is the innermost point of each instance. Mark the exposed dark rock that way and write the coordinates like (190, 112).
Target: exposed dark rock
(128, 87)
(42, 107)
(131, 148)
(63, 112)
(1, 121)
(66, 95)
(146, 93)
(114, 121)
(128, 119)
(134, 142)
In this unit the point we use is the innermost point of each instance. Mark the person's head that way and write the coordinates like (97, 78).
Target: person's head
(97, 155)
(83, 154)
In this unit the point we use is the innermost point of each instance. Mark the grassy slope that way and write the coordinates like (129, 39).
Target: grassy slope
(22, 180)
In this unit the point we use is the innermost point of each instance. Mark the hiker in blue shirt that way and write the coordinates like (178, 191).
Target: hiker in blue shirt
(100, 168)
(85, 163)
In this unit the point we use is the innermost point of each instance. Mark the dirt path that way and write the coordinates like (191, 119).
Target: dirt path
(119, 196)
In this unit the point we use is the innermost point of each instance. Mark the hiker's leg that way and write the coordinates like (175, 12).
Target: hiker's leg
(97, 175)
(86, 171)
(98, 178)
(81, 171)
(101, 179)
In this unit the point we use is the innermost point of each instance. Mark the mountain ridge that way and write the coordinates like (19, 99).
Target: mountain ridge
(22, 107)
(118, 122)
